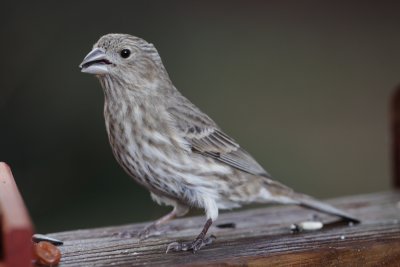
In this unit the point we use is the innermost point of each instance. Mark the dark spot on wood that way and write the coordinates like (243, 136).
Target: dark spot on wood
(226, 225)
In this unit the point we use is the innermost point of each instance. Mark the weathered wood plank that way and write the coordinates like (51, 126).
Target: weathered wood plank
(260, 237)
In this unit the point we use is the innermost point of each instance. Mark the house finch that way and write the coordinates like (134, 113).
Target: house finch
(172, 148)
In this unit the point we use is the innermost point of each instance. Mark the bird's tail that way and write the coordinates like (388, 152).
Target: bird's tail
(315, 204)
(286, 195)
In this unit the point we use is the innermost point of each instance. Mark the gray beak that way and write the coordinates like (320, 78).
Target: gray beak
(96, 62)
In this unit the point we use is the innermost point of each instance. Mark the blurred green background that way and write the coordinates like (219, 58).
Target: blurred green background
(302, 85)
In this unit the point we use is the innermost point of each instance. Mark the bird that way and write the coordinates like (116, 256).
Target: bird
(169, 146)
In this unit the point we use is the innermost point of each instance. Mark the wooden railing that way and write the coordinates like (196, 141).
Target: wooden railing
(258, 237)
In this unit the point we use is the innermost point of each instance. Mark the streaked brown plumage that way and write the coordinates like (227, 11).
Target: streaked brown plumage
(169, 146)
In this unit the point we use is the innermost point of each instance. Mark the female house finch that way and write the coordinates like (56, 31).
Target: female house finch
(172, 148)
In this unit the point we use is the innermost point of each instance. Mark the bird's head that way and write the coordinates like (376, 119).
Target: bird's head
(124, 57)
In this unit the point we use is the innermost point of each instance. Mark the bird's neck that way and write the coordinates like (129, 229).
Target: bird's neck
(131, 102)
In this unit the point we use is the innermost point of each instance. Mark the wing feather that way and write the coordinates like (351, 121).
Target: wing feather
(205, 138)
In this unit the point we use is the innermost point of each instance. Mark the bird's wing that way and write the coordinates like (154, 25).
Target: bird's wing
(205, 138)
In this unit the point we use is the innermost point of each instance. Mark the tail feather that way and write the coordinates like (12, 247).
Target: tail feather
(288, 196)
(315, 204)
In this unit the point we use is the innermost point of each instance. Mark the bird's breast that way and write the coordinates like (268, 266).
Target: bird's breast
(142, 143)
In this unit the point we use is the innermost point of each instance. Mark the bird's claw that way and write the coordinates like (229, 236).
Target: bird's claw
(124, 234)
(141, 235)
(147, 232)
(195, 245)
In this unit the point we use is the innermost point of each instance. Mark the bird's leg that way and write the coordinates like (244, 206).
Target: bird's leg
(196, 244)
(147, 231)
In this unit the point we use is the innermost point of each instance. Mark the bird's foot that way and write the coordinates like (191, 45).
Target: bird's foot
(195, 245)
(124, 234)
(148, 231)
(143, 234)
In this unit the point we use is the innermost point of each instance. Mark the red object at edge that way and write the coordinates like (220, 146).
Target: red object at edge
(16, 226)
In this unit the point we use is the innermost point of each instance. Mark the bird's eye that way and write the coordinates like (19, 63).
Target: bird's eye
(125, 53)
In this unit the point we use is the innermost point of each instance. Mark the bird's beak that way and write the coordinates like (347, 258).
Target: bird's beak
(96, 62)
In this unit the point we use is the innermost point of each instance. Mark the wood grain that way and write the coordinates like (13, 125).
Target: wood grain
(261, 237)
